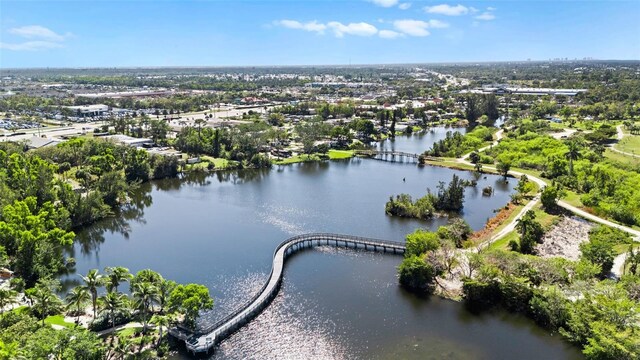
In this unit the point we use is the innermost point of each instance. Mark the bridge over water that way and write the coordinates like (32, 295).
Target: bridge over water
(393, 156)
(204, 340)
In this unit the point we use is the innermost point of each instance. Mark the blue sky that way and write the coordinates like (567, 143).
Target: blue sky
(230, 33)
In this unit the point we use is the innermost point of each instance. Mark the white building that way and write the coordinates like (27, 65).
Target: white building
(89, 110)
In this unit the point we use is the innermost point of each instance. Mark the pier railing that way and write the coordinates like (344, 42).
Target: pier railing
(204, 339)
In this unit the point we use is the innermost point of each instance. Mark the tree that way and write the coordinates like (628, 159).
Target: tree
(158, 131)
(549, 197)
(92, 282)
(165, 287)
(310, 132)
(144, 294)
(112, 303)
(573, 153)
(416, 274)
(190, 300)
(44, 297)
(530, 232)
(78, 296)
(600, 252)
(115, 276)
(474, 157)
(524, 185)
(472, 109)
(451, 198)
(421, 241)
(503, 168)
(162, 322)
(7, 297)
(137, 165)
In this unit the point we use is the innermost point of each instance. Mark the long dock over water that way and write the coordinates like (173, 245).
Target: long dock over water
(205, 340)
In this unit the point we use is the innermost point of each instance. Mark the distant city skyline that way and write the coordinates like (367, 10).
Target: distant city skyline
(286, 33)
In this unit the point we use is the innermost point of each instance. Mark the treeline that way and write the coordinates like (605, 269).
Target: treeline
(456, 144)
(39, 206)
(449, 198)
(152, 299)
(242, 144)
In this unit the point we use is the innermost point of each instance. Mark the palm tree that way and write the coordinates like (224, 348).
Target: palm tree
(113, 302)
(573, 153)
(7, 297)
(92, 282)
(45, 299)
(161, 321)
(165, 287)
(115, 276)
(78, 296)
(144, 293)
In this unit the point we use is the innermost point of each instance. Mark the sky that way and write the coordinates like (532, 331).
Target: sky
(134, 33)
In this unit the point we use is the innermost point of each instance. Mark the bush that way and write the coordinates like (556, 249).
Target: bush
(416, 274)
(421, 241)
(103, 322)
(479, 295)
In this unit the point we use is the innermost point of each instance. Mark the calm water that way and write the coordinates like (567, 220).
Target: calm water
(221, 231)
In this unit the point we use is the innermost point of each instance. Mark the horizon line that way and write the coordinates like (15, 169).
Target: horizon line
(315, 65)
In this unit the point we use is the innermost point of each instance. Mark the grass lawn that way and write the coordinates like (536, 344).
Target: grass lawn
(219, 163)
(572, 198)
(545, 219)
(621, 158)
(297, 159)
(333, 155)
(20, 309)
(630, 144)
(128, 332)
(58, 320)
(503, 243)
(340, 154)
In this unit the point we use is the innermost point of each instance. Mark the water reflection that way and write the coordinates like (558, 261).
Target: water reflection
(220, 230)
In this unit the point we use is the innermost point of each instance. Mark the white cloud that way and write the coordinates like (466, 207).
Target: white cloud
(486, 16)
(312, 26)
(412, 27)
(357, 29)
(389, 34)
(384, 3)
(437, 24)
(404, 6)
(30, 46)
(36, 32)
(491, 8)
(445, 9)
(473, 10)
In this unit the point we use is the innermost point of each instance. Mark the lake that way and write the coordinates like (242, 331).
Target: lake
(220, 230)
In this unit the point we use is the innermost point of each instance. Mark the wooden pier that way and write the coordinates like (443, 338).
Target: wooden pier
(389, 155)
(205, 340)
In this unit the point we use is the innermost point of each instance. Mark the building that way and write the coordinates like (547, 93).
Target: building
(40, 142)
(130, 141)
(89, 110)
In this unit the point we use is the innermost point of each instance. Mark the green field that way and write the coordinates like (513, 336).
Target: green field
(333, 155)
(58, 320)
(630, 144)
(130, 331)
(621, 158)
